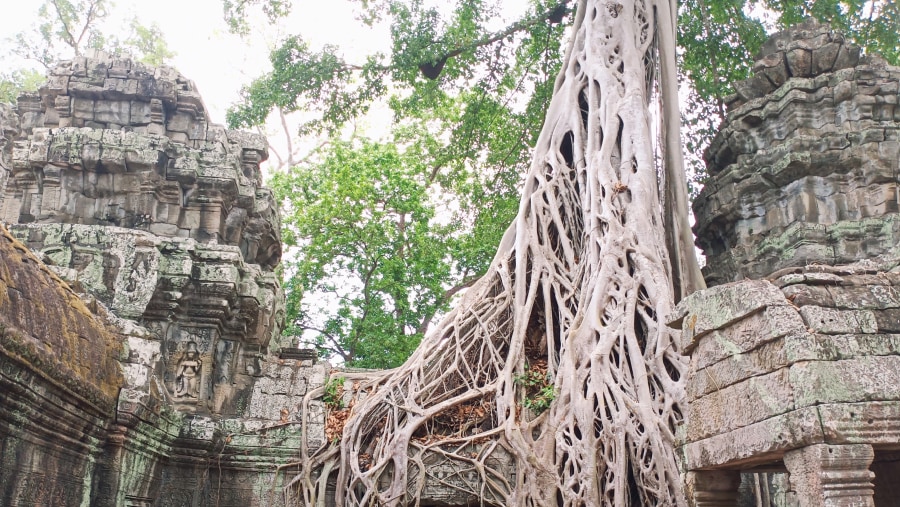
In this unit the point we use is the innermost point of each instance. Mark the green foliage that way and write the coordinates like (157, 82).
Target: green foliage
(303, 80)
(468, 103)
(14, 83)
(73, 23)
(68, 28)
(371, 261)
(146, 44)
(334, 393)
(236, 11)
(872, 24)
(542, 400)
(539, 389)
(432, 56)
(365, 290)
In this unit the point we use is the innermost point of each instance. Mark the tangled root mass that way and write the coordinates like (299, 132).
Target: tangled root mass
(568, 315)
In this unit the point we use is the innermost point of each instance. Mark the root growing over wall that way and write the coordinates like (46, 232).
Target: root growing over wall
(575, 295)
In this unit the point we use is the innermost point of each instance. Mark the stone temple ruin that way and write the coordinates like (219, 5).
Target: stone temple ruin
(794, 349)
(158, 387)
(141, 362)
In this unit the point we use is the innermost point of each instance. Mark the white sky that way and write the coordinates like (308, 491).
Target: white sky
(217, 61)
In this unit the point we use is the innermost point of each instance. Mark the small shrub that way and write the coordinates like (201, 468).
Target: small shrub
(539, 390)
(334, 393)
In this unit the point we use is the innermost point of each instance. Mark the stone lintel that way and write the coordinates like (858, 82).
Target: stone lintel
(874, 423)
(761, 442)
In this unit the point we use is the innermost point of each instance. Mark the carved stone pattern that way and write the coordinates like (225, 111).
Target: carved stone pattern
(804, 173)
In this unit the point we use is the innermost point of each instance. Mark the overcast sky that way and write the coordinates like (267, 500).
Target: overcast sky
(218, 62)
(221, 63)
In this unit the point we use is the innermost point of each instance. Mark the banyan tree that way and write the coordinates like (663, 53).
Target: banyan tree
(559, 358)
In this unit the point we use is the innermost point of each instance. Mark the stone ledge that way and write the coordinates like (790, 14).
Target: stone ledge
(740, 405)
(758, 443)
(717, 307)
(876, 423)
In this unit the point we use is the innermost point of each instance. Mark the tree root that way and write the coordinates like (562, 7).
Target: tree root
(580, 285)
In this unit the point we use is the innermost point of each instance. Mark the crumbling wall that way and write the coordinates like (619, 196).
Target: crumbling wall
(120, 183)
(59, 380)
(125, 192)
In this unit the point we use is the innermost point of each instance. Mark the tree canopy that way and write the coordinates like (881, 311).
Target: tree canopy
(555, 380)
(371, 251)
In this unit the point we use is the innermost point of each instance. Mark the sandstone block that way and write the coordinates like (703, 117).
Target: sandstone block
(715, 308)
(813, 347)
(873, 422)
(831, 321)
(83, 108)
(760, 398)
(799, 62)
(113, 111)
(846, 381)
(831, 475)
(180, 122)
(746, 335)
(757, 443)
(139, 113)
(739, 367)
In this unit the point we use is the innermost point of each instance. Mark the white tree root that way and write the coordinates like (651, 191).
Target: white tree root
(579, 286)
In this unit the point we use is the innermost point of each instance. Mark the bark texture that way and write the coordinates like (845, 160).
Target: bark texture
(577, 293)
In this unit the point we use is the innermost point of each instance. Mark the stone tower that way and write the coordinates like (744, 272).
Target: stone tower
(795, 348)
(804, 169)
(119, 188)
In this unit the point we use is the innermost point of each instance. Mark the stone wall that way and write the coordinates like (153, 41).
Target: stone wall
(109, 141)
(59, 380)
(808, 359)
(128, 196)
(794, 352)
(122, 186)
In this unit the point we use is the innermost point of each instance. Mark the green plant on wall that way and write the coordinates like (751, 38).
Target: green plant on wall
(334, 393)
(538, 386)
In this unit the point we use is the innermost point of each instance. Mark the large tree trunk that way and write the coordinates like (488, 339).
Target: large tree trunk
(579, 288)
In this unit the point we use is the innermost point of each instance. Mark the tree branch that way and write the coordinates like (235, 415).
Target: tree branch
(331, 338)
(70, 39)
(89, 18)
(464, 284)
(555, 14)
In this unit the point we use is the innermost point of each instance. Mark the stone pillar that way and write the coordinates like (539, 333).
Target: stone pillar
(713, 488)
(831, 475)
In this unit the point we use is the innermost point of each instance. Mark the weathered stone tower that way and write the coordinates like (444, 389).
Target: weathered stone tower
(116, 181)
(163, 381)
(796, 370)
